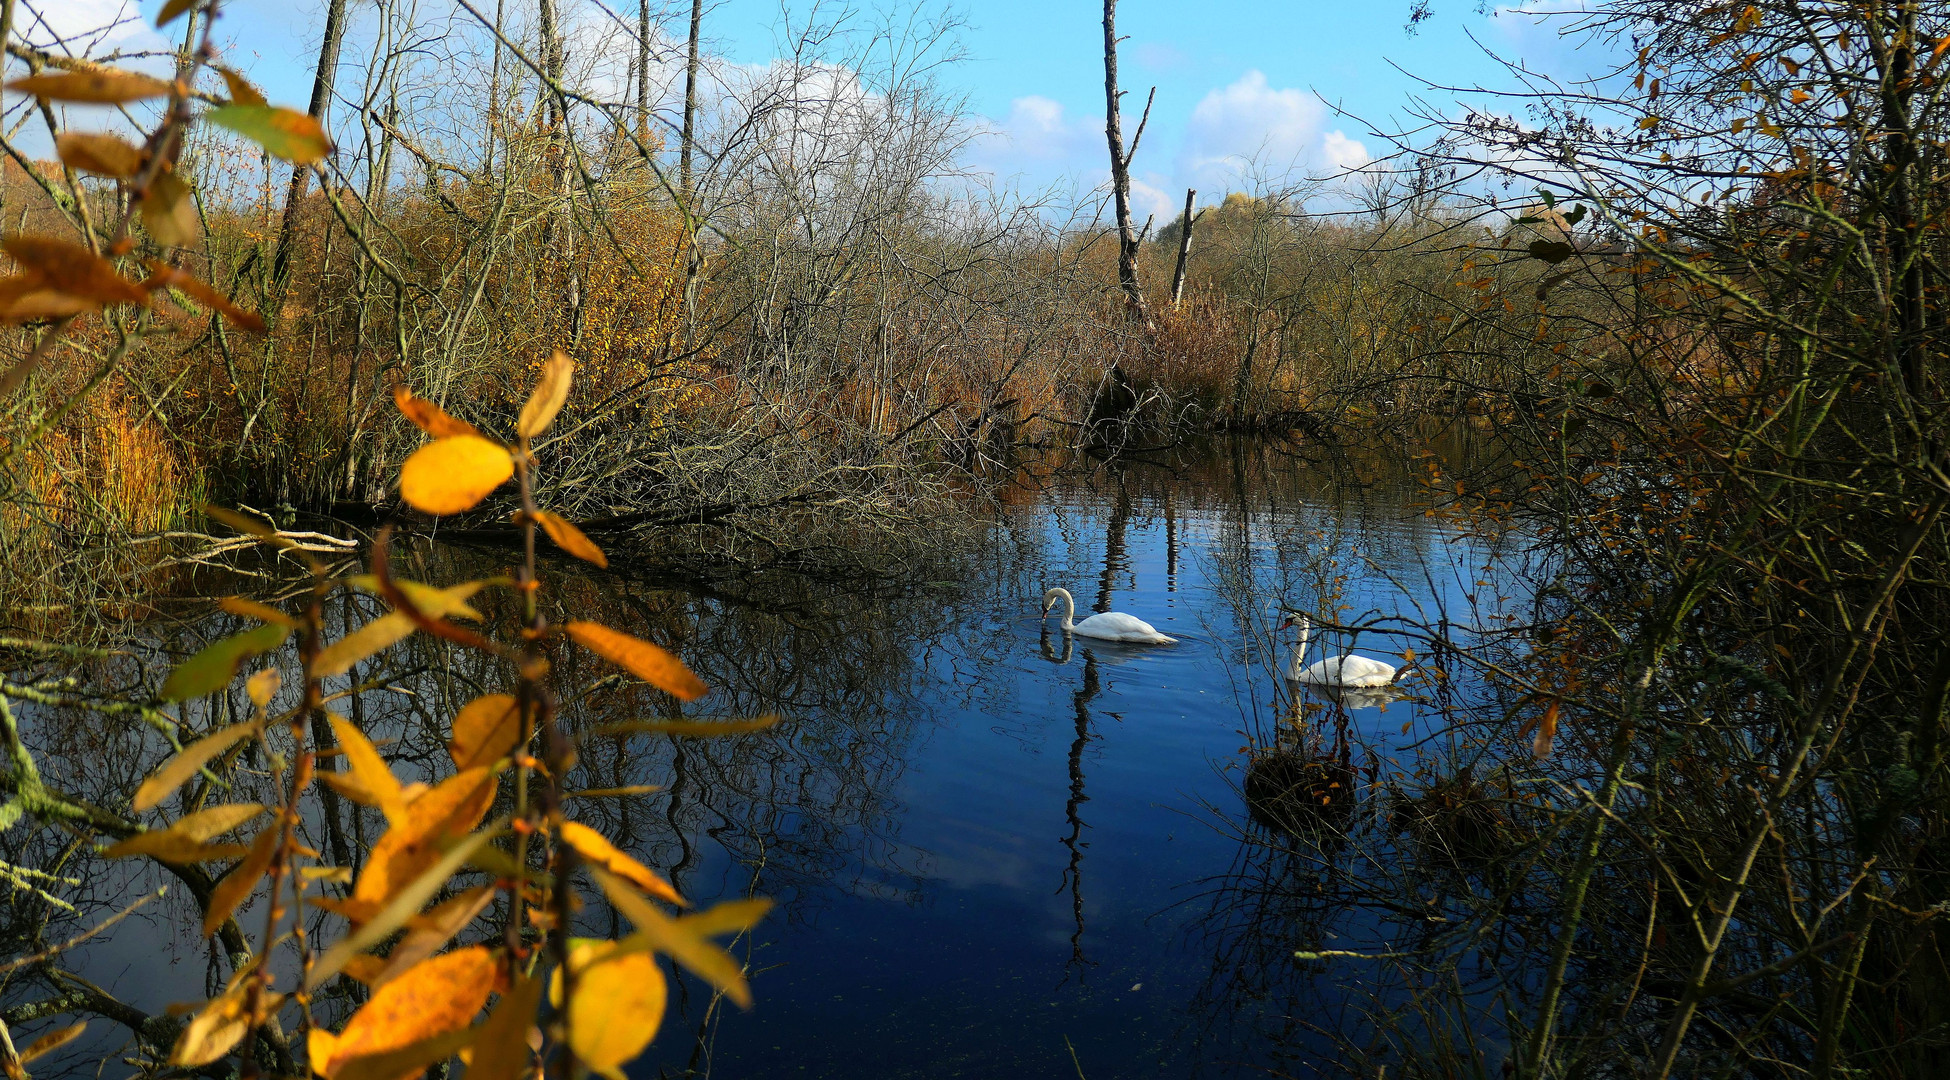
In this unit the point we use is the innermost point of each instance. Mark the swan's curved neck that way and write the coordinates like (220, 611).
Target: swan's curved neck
(1293, 664)
(1069, 606)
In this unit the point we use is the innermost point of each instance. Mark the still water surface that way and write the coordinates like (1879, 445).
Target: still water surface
(1051, 869)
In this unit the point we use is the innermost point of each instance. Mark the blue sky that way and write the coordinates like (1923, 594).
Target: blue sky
(1236, 79)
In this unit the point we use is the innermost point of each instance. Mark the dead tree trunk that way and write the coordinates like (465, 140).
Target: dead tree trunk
(561, 227)
(1184, 247)
(693, 257)
(321, 97)
(643, 71)
(1120, 170)
(690, 105)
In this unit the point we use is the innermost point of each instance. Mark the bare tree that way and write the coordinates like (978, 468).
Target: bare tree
(1128, 238)
(1184, 247)
(690, 101)
(322, 81)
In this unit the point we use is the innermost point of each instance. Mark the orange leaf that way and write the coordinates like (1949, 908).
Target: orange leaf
(570, 539)
(485, 731)
(642, 659)
(538, 412)
(103, 155)
(251, 609)
(376, 636)
(163, 274)
(435, 997)
(431, 418)
(1546, 733)
(27, 298)
(73, 269)
(448, 811)
(237, 885)
(52, 1041)
(102, 86)
(453, 474)
(596, 848)
(241, 90)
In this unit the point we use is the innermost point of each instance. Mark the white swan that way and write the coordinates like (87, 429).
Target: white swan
(1347, 670)
(1107, 626)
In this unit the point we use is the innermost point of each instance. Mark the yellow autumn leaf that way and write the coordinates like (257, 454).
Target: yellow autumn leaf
(571, 539)
(241, 90)
(486, 730)
(617, 1007)
(448, 811)
(501, 1050)
(369, 769)
(177, 770)
(685, 939)
(169, 212)
(263, 686)
(238, 884)
(450, 475)
(103, 155)
(376, 636)
(376, 923)
(429, 933)
(435, 997)
(642, 659)
(551, 390)
(185, 840)
(52, 1041)
(220, 1026)
(596, 848)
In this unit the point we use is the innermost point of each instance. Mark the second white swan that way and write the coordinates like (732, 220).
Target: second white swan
(1106, 625)
(1348, 669)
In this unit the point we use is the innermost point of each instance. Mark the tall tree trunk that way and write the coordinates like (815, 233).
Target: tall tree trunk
(1184, 247)
(1120, 170)
(494, 94)
(322, 80)
(690, 104)
(560, 235)
(643, 71)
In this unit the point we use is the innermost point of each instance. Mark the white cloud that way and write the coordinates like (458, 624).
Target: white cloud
(1249, 123)
(1151, 199)
(1342, 152)
(86, 27)
(1038, 129)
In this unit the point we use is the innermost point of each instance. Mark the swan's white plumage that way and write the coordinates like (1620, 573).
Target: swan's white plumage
(1105, 626)
(1347, 670)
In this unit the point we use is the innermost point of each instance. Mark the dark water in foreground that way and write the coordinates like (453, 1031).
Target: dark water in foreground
(996, 853)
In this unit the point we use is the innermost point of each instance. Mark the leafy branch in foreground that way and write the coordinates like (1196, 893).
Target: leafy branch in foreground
(439, 848)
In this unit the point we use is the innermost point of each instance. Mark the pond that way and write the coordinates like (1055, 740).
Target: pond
(1050, 867)
(996, 851)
